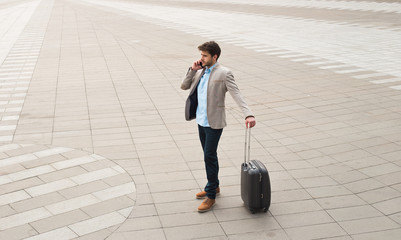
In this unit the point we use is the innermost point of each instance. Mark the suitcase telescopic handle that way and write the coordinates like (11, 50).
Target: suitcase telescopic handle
(247, 145)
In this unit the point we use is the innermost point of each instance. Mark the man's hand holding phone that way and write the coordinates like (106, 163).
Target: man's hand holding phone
(197, 65)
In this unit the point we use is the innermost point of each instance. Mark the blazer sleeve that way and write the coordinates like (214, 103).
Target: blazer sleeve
(189, 78)
(236, 95)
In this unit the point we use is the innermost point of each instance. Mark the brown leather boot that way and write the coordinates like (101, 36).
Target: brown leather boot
(202, 194)
(206, 205)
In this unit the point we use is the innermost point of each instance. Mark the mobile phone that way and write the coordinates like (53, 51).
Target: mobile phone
(200, 63)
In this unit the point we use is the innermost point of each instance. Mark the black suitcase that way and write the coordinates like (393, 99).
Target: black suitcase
(255, 182)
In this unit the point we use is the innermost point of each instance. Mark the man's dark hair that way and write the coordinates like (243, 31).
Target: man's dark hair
(211, 47)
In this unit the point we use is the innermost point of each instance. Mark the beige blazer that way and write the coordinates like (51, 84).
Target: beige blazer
(221, 80)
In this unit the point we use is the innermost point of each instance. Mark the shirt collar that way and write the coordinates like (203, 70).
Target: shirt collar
(208, 70)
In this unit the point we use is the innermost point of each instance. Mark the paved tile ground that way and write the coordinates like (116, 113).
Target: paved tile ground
(94, 144)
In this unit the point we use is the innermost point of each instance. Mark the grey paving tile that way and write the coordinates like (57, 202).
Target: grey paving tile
(389, 207)
(96, 235)
(168, 177)
(327, 231)
(392, 156)
(37, 202)
(43, 161)
(279, 175)
(25, 150)
(282, 185)
(153, 162)
(352, 213)
(322, 161)
(273, 234)
(139, 179)
(228, 202)
(110, 142)
(304, 219)
(341, 238)
(357, 158)
(173, 186)
(6, 210)
(195, 231)
(364, 185)
(215, 238)
(249, 225)
(340, 148)
(328, 191)
(349, 177)
(19, 232)
(182, 195)
(144, 199)
(142, 189)
(105, 207)
(379, 195)
(143, 211)
(340, 202)
(177, 207)
(40, 138)
(183, 219)
(58, 221)
(368, 225)
(306, 173)
(336, 169)
(290, 196)
(83, 189)
(292, 165)
(15, 186)
(231, 213)
(381, 169)
(387, 234)
(12, 168)
(384, 148)
(294, 207)
(317, 182)
(396, 217)
(140, 223)
(118, 179)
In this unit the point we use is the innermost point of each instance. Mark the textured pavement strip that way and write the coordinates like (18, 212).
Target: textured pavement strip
(105, 90)
(345, 5)
(340, 55)
(13, 20)
(36, 191)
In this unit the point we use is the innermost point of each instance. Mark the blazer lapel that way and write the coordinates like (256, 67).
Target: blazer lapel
(197, 79)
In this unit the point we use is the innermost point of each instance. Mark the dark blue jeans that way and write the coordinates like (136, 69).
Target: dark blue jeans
(209, 139)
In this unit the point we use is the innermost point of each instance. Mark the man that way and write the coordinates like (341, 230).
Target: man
(209, 82)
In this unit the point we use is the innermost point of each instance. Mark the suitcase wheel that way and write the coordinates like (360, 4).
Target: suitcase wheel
(265, 209)
(252, 210)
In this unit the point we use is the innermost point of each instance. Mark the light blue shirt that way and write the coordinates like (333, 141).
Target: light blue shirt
(201, 111)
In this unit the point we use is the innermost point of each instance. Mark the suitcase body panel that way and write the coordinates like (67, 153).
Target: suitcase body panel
(255, 186)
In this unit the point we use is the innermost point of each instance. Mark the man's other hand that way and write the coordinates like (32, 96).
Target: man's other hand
(250, 122)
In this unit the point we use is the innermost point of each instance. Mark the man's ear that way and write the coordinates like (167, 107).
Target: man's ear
(215, 57)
